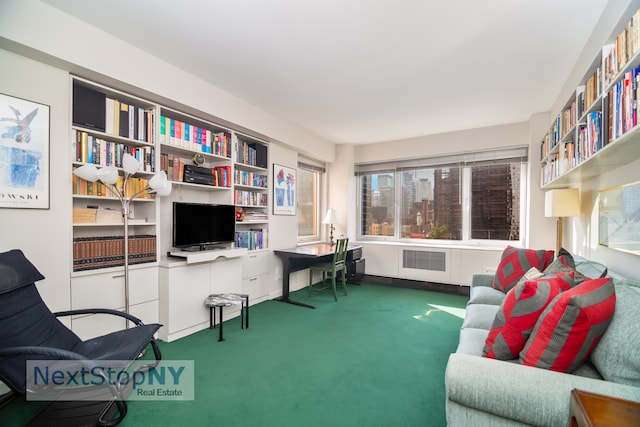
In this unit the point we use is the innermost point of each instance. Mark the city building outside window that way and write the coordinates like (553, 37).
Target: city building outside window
(461, 197)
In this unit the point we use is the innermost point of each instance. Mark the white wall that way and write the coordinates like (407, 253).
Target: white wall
(43, 235)
(35, 29)
(582, 233)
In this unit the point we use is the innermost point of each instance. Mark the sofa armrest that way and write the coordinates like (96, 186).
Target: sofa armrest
(529, 395)
(482, 279)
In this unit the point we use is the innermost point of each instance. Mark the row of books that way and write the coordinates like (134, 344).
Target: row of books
(251, 153)
(83, 187)
(252, 179)
(129, 121)
(591, 138)
(621, 105)
(91, 149)
(108, 251)
(249, 214)
(590, 93)
(173, 165)
(252, 239)
(249, 198)
(617, 54)
(194, 138)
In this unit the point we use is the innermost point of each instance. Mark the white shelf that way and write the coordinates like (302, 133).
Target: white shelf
(207, 256)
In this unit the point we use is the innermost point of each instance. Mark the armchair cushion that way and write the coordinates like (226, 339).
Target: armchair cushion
(16, 271)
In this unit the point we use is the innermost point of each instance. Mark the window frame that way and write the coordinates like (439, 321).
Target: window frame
(319, 168)
(466, 161)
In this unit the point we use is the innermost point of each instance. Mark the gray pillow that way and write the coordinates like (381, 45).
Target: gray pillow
(616, 355)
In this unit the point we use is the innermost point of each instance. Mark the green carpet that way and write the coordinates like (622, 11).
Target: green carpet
(375, 358)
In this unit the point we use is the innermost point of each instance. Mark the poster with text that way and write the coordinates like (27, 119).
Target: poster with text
(24, 154)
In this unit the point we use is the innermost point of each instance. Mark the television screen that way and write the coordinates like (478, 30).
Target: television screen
(198, 225)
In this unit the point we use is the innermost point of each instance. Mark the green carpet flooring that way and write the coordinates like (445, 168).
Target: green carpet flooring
(375, 358)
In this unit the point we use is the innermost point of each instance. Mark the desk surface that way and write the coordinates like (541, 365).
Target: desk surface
(317, 250)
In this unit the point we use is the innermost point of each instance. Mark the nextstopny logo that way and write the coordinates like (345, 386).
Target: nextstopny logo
(95, 379)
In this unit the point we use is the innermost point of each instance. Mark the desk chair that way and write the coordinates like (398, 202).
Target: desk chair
(338, 265)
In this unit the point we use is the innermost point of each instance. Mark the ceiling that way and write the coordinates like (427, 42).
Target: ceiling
(357, 71)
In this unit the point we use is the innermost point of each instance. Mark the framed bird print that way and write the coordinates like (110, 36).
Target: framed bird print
(24, 153)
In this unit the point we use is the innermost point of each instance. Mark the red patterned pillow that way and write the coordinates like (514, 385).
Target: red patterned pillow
(519, 313)
(571, 326)
(515, 262)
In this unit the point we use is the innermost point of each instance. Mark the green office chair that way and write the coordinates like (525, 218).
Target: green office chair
(339, 265)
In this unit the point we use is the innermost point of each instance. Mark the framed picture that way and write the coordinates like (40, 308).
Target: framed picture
(619, 218)
(284, 190)
(24, 153)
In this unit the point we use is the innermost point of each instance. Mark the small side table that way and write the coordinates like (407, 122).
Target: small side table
(588, 409)
(227, 300)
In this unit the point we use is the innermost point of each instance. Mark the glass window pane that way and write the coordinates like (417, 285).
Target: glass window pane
(432, 204)
(378, 199)
(308, 196)
(495, 202)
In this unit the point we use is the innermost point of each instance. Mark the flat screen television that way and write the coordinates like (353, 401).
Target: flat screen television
(201, 226)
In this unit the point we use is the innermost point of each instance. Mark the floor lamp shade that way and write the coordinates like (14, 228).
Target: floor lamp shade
(563, 202)
(559, 203)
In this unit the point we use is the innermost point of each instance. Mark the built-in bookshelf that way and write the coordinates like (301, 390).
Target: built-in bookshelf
(251, 192)
(598, 128)
(106, 124)
(195, 152)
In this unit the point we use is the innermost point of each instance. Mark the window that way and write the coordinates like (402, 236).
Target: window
(469, 196)
(310, 177)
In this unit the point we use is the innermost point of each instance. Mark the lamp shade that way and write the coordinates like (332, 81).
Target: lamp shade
(88, 172)
(160, 184)
(562, 202)
(130, 164)
(331, 217)
(108, 175)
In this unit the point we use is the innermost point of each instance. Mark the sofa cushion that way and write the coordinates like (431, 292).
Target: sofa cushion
(564, 264)
(515, 262)
(471, 341)
(519, 313)
(616, 355)
(485, 295)
(479, 316)
(570, 327)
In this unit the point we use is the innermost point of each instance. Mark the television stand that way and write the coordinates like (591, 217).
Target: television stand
(208, 255)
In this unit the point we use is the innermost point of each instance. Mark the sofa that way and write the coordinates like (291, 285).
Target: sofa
(482, 391)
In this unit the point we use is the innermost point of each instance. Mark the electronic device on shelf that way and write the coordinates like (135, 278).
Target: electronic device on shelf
(198, 175)
(202, 226)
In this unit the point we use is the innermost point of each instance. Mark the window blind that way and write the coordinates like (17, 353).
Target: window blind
(516, 154)
(311, 164)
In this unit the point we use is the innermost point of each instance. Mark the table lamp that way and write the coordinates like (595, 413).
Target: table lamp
(561, 203)
(331, 218)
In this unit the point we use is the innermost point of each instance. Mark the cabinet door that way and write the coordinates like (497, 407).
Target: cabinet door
(255, 287)
(255, 264)
(226, 276)
(183, 290)
(106, 290)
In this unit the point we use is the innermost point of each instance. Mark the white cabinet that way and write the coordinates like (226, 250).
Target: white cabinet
(256, 269)
(183, 288)
(106, 290)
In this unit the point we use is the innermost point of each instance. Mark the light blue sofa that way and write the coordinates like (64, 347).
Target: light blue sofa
(488, 392)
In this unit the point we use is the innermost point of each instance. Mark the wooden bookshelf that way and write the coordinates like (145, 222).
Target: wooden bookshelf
(606, 133)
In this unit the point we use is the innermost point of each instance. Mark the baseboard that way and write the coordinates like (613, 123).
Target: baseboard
(417, 284)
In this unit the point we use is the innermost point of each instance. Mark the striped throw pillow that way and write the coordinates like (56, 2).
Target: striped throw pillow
(515, 262)
(571, 326)
(519, 313)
